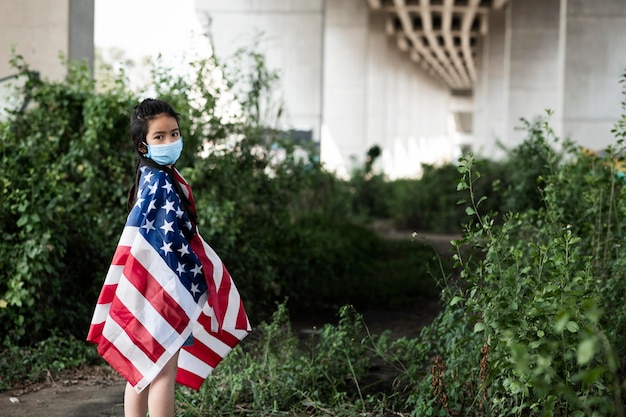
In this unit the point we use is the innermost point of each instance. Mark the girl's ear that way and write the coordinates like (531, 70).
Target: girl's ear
(142, 148)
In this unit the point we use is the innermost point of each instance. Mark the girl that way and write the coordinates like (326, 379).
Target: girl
(168, 311)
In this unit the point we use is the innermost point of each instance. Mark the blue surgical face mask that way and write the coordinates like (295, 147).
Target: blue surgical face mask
(165, 154)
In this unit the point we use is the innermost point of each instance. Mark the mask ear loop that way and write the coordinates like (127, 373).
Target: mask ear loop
(145, 154)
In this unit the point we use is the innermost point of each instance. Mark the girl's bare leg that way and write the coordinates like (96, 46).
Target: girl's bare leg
(135, 405)
(161, 398)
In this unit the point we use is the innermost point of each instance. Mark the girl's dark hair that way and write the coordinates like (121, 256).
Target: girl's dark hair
(141, 116)
(145, 111)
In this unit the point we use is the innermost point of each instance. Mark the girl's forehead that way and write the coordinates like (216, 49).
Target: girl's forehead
(163, 122)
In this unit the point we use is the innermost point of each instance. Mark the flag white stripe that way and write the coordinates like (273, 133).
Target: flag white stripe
(100, 313)
(163, 274)
(211, 341)
(150, 318)
(192, 364)
(128, 236)
(113, 276)
(118, 337)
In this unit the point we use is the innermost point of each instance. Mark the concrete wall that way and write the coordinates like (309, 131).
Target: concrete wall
(491, 92)
(408, 111)
(41, 29)
(563, 55)
(533, 58)
(289, 33)
(344, 78)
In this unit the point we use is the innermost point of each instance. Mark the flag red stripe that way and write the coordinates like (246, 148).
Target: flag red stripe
(198, 248)
(208, 355)
(121, 253)
(242, 317)
(95, 332)
(189, 379)
(107, 294)
(224, 337)
(154, 293)
(136, 331)
(120, 362)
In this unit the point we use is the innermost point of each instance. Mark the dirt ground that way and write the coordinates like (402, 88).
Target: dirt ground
(98, 391)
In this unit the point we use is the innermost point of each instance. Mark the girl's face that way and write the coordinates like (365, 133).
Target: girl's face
(162, 130)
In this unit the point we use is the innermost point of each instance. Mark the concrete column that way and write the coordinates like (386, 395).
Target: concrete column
(491, 92)
(594, 63)
(41, 29)
(345, 84)
(374, 94)
(534, 56)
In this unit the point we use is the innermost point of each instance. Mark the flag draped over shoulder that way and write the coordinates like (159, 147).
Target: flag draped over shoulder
(164, 284)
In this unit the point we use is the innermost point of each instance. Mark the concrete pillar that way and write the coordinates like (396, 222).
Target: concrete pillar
(374, 94)
(345, 84)
(533, 52)
(594, 63)
(40, 30)
(491, 92)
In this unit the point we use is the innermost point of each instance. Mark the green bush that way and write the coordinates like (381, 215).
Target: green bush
(280, 374)
(534, 326)
(65, 167)
(283, 225)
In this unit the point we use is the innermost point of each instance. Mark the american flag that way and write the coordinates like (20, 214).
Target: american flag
(164, 284)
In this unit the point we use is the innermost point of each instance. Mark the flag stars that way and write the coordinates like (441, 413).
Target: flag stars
(194, 289)
(188, 224)
(153, 188)
(167, 226)
(148, 177)
(167, 247)
(151, 206)
(184, 250)
(139, 202)
(179, 212)
(149, 225)
(169, 206)
(180, 269)
(196, 270)
(167, 186)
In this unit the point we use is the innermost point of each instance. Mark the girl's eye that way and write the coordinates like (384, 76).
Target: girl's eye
(176, 134)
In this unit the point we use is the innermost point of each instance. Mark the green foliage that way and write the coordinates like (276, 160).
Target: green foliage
(284, 226)
(45, 359)
(63, 161)
(280, 373)
(525, 330)
(430, 202)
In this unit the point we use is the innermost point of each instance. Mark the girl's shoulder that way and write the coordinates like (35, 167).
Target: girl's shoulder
(149, 174)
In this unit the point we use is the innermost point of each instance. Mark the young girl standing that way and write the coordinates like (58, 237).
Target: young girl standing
(168, 311)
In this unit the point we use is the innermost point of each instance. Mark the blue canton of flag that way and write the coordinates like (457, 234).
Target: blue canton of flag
(164, 224)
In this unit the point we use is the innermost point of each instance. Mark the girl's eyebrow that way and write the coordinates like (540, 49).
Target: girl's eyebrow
(160, 132)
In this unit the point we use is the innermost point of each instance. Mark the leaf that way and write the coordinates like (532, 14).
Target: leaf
(469, 211)
(586, 350)
(456, 300)
(479, 327)
(572, 326)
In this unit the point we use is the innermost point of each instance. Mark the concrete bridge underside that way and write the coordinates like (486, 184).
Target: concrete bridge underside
(420, 78)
